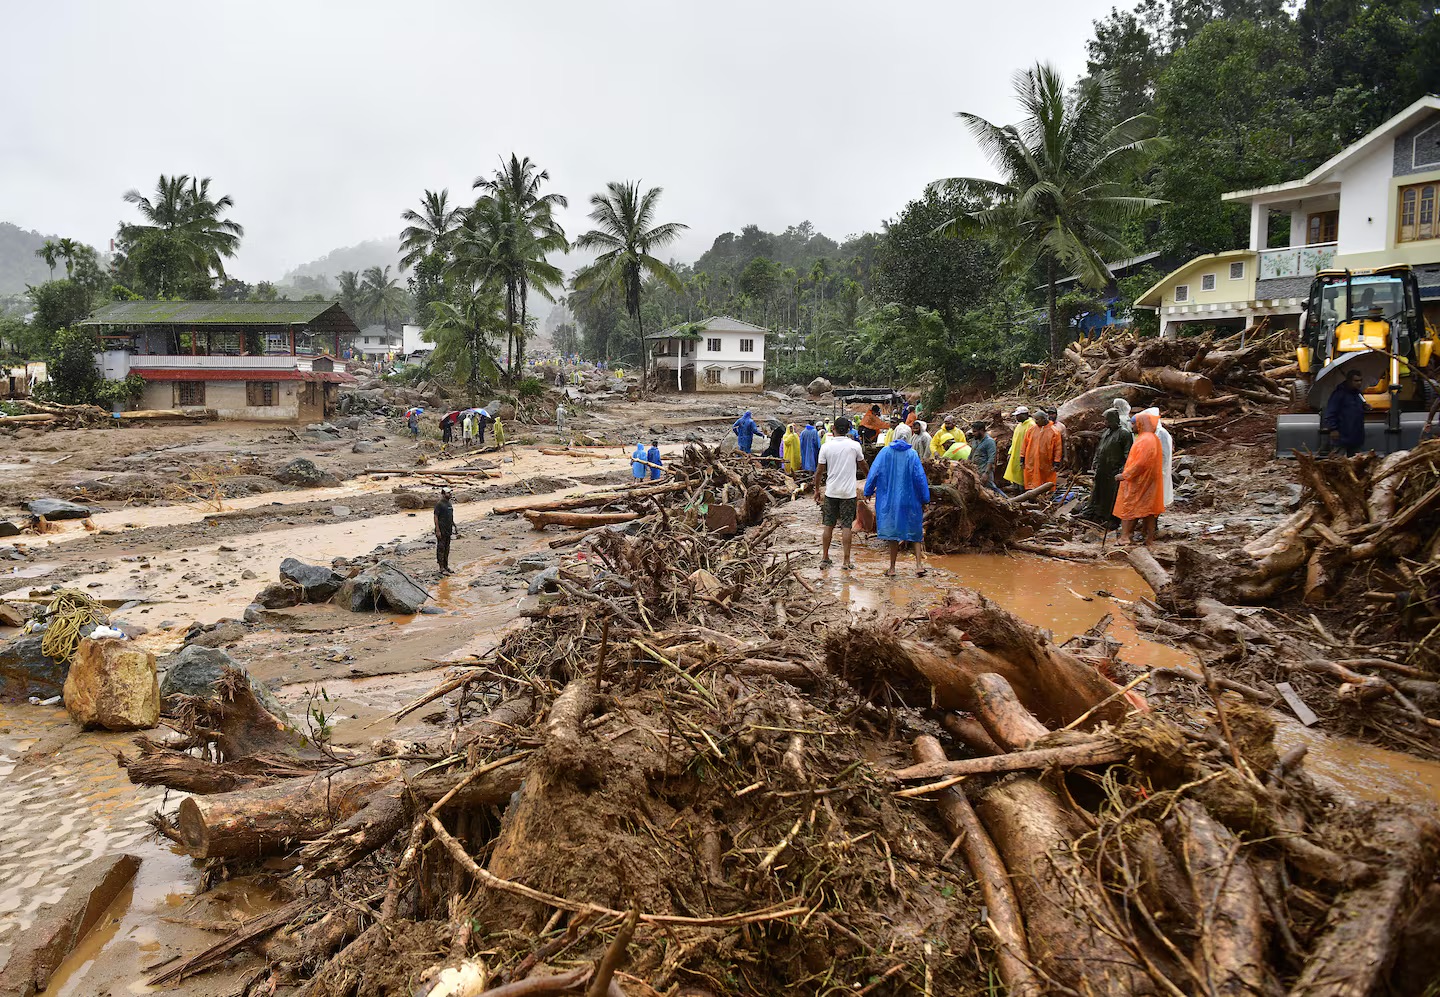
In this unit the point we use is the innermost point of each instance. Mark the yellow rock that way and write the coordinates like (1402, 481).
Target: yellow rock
(112, 684)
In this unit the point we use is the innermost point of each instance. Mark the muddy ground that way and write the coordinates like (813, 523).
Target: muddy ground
(191, 522)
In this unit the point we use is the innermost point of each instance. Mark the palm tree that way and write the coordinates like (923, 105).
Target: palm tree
(70, 251)
(50, 253)
(431, 228)
(351, 296)
(521, 232)
(626, 237)
(185, 216)
(382, 297)
(1062, 200)
(461, 334)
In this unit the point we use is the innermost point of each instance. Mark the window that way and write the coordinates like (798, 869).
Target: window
(1207, 282)
(747, 346)
(258, 393)
(190, 392)
(713, 345)
(367, 340)
(1322, 227)
(747, 376)
(712, 376)
(1417, 213)
(1182, 292)
(1237, 270)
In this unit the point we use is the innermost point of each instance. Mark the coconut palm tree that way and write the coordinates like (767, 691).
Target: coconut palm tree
(626, 237)
(69, 250)
(1062, 199)
(383, 298)
(50, 253)
(521, 231)
(430, 229)
(461, 334)
(352, 293)
(187, 220)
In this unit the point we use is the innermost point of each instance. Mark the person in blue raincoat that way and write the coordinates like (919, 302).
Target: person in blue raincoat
(653, 456)
(745, 429)
(638, 469)
(898, 484)
(809, 448)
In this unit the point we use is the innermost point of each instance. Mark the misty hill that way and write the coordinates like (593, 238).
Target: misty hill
(371, 253)
(18, 263)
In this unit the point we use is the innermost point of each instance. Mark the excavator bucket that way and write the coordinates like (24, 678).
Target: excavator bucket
(1373, 366)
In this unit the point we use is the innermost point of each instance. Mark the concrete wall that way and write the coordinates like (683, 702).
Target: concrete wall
(1365, 217)
(729, 351)
(228, 399)
(1226, 289)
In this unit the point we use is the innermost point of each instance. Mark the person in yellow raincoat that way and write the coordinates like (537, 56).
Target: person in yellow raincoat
(790, 447)
(1014, 469)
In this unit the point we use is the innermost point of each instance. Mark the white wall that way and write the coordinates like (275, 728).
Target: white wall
(1365, 202)
(410, 340)
(730, 348)
(229, 400)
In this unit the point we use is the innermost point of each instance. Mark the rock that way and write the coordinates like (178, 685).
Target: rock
(356, 595)
(254, 613)
(432, 610)
(397, 590)
(280, 595)
(14, 614)
(363, 446)
(58, 509)
(113, 684)
(193, 671)
(220, 635)
(406, 499)
(317, 583)
(248, 576)
(26, 672)
(819, 386)
(304, 473)
(796, 391)
(349, 422)
(339, 511)
(544, 581)
(8, 529)
(507, 412)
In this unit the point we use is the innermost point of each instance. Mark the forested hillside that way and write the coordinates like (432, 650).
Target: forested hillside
(19, 266)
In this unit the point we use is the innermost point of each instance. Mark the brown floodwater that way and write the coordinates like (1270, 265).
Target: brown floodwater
(1360, 771)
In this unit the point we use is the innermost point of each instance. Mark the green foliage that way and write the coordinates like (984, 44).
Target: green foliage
(59, 303)
(19, 338)
(1146, 323)
(917, 266)
(119, 292)
(73, 378)
(462, 333)
(529, 388)
(182, 243)
(127, 392)
(431, 229)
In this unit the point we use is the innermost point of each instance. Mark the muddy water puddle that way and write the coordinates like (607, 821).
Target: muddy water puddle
(1360, 771)
(1046, 592)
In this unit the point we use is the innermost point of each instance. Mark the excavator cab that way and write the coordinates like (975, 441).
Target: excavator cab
(1368, 321)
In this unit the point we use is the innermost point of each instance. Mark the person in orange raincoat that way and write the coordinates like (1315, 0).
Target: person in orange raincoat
(1142, 488)
(1041, 455)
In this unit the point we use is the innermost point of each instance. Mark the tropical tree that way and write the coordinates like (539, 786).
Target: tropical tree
(431, 228)
(352, 294)
(517, 231)
(184, 237)
(461, 334)
(626, 237)
(50, 253)
(1063, 198)
(70, 251)
(382, 297)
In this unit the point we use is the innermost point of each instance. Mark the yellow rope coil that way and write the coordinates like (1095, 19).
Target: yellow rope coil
(68, 613)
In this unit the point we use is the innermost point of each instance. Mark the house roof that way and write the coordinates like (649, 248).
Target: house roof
(1428, 104)
(326, 314)
(1155, 289)
(715, 323)
(1115, 266)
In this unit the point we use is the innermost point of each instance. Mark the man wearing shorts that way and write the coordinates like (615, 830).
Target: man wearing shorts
(835, 490)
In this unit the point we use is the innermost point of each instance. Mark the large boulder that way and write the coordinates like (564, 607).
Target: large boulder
(26, 672)
(302, 472)
(16, 614)
(195, 671)
(316, 583)
(112, 684)
(357, 594)
(9, 529)
(52, 508)
(397, 590)
(280, 595)
(796, 391)
(819, 386)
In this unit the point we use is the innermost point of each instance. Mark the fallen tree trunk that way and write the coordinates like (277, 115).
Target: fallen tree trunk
(1011, 725)
(257, 822)
(1012, 953)
(1099, 751)
(1230, 948)
(578, 520)
(1179, 382)
(595, 498)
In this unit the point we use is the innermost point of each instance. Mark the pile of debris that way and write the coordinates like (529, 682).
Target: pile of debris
(965, 515)
(52, 415)
(677, 778)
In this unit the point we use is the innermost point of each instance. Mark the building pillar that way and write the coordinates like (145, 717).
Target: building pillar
(1259, 224)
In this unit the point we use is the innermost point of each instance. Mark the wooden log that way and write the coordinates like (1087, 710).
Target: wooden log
(1149, 569)
(996, 707)
(578, 520)
(188, 774)
(1012, 951)
(372, 826)
(1179, 382)
(1035, 492)
(593, 498)
(1230, 948)
(971, 733)
(258, 822)
(1097, 751)
(34, 418)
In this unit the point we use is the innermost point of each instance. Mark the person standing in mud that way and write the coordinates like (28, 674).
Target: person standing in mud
(1040, 457)
(835, 480)
(444, 530)
(901, 491)
(1015, 467)
(982, 454)
(1141, 496)
(1110, 455)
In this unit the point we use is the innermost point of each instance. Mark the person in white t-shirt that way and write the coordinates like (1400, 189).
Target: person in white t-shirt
(835, 490)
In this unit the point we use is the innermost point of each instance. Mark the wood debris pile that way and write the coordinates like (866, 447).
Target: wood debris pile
(53, 415)
(965, 515)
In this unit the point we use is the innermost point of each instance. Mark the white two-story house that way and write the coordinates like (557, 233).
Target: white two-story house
(718, 354)
(1376, 203)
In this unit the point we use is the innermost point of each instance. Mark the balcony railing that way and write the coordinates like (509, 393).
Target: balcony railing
(1296, 261)
(141, 361)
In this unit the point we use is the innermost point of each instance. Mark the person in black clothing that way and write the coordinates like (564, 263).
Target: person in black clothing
(444, 530)
(772, 455)
(1345, 415)
(447, 427)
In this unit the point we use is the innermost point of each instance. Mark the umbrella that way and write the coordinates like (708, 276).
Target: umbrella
(414, 411)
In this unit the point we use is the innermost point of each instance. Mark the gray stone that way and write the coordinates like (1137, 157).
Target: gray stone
(397, 590)
(349, 422)
(248, 575)
(544, 581)
(14, 614)
(280, 595)
(304, 473)
(356, 595)
(8, 529)
(819, 386)
(363, 446)
(254, 613)
(58, 509)
(339, 511)
(432, 610)
(194, 671)
(26, 672)
(317, 583)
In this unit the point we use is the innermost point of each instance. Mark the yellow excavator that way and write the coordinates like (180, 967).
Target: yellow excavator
(1370, 321)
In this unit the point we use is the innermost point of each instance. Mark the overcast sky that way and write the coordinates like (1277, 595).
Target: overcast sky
(324, 120)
